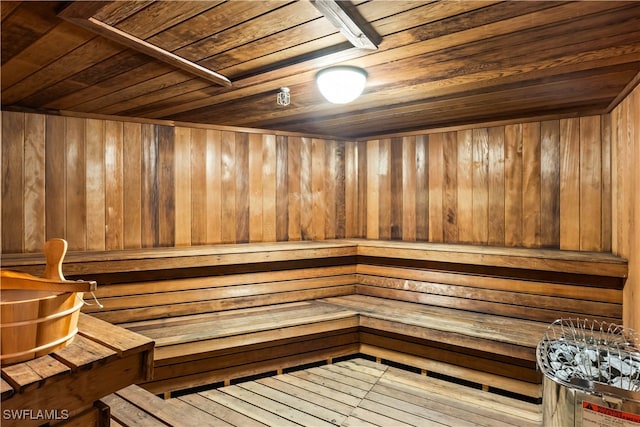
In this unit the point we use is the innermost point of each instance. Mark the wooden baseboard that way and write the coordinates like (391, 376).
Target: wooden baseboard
(225, 375)
(495, 381)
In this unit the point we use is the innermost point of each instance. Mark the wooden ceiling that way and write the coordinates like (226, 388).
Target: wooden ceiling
(440, 63)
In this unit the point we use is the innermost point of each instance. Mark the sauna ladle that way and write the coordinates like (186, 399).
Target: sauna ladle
(53, 280)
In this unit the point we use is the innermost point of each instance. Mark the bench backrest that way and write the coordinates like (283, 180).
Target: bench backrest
(534, 284)
(220, 291)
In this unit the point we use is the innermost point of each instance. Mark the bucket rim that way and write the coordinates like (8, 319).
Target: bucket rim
(46, 295)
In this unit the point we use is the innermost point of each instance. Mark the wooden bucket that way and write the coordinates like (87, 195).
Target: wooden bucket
(39, 315)
(35, 323)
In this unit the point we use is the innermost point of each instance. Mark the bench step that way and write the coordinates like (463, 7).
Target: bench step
(219, 347)
(481, 326)
(200, 334)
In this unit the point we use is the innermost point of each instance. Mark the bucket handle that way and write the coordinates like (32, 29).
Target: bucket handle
(54, 252)
(17, 280)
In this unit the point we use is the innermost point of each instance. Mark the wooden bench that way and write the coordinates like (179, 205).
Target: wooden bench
(229, 311)
(496, 302)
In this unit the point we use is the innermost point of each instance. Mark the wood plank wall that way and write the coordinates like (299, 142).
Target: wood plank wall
(106, 184)
(536, 184)
(625, 160)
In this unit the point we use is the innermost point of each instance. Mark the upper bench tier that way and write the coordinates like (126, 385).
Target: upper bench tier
(349, 250)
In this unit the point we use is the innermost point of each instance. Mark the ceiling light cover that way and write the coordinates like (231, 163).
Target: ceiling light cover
(341, 84)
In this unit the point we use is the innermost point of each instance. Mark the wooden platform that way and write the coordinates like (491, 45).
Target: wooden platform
(355, 392)
(63, 386)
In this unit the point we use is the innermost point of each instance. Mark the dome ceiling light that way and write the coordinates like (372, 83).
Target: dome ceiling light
(341, 84)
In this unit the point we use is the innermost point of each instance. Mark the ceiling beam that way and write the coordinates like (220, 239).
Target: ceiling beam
(80, 18)
(346, 18)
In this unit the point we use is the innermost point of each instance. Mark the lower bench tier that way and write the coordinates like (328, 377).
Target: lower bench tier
(277, 357)
(199, 350)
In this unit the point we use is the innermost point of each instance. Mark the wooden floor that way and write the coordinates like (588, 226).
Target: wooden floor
(356, 392)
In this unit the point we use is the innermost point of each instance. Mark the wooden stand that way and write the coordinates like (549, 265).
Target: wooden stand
(61, 388)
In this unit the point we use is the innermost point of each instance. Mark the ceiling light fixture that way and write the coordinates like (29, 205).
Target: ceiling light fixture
(341, 84)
